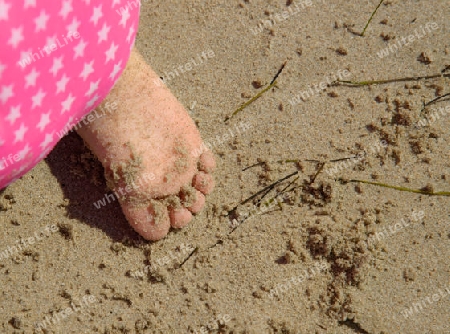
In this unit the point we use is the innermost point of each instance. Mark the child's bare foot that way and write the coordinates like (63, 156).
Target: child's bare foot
(151, 151)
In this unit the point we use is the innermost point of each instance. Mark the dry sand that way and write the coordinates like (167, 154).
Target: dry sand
(314, 264)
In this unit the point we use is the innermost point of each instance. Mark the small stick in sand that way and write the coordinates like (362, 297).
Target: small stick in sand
(371, 17)
(254, 98)
(433, 101)
(423, 191)
(379, 82)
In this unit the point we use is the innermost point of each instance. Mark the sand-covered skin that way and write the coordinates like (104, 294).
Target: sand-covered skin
(150, 149)
(314, 267)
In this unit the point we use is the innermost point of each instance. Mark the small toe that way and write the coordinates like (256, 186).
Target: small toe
(151, 222)
(207, 162)
(199, 203)
(203, 182)
(180, 217)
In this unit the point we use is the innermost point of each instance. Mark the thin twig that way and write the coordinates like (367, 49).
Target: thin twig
(271, 186)
(371, 17)
(266, 190)
(378, 82)
(417, 191)
(254, 165)
(278, 73)
(278, 193)
(254, 98)
(317, 173)
(188, 257)
(433, 101)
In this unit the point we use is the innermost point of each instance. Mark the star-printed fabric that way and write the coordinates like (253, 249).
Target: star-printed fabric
(58, 61)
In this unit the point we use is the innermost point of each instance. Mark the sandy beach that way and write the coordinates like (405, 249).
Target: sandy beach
(326, 216)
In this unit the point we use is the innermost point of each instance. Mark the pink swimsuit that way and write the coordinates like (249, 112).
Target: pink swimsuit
(58, 60)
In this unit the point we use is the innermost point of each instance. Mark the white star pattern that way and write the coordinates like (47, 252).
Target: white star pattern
(24, 62)
(45, 120)
(67, 103)
(41, 21)
(29, 3)
(31, 78)
(23, 153)
(17, 172)
(16, 37)
(50, 75)
(66, 8)
(47, 141)
(103, 34)
(111, 53)
(97, 14)
(92, 88)
(6, 93)
(14, 113)
(79, 49)
(73, 27)
(87, 70)
(69, 122)
(25, 58)
(37, 99)
(50, 41)
(2, 68)
(92, 101)
(25, 54)
(125, 16)
(19, 134)
(44, 153)
(4, 10)
(57, 65)
(117, 68)
(130, 34)
(61, 84)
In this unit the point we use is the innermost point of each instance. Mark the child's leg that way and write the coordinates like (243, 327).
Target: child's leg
(59, 60)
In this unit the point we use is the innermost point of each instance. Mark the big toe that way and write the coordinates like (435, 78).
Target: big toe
(152, 221)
